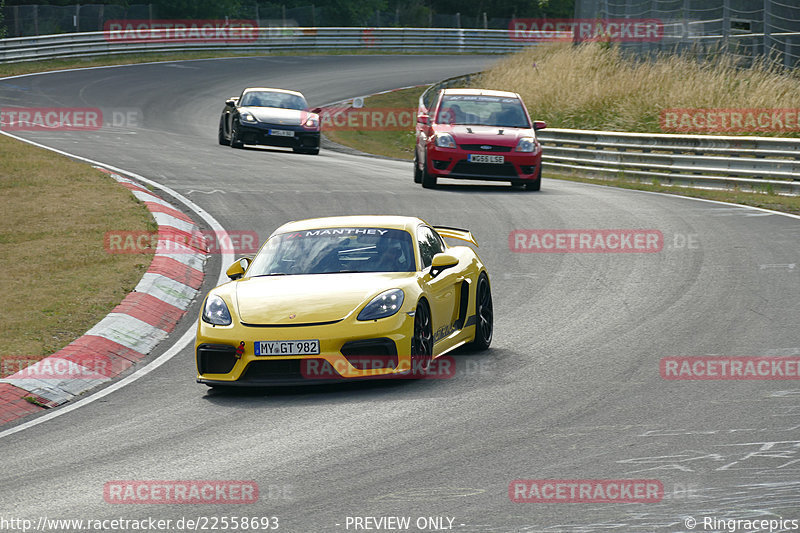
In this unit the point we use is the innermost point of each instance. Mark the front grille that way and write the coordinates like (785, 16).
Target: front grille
(215, 358)
(272, 369)
(465, 168)
(479, 148)
(368, 354)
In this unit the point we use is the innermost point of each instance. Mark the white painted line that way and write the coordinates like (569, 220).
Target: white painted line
(184, 340)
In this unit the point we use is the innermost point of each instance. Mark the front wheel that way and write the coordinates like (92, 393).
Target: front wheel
(535, 185)
(422, 342)
(428, 181)
(417, 171)
(235, 142)
(484, 314)
(221, 133)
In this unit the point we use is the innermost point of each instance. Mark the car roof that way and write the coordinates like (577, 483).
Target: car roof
(353, 221)
(481, 92)
(270, 89)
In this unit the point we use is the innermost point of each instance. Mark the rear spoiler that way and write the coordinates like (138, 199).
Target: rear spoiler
(456, 233)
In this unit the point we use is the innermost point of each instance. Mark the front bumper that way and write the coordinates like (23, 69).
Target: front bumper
(453, 163)
(344, 347)
(259, 133)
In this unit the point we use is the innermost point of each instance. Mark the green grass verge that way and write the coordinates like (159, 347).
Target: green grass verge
(397, 144)
(56, 278)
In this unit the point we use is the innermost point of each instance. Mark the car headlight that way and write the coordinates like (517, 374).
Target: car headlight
(385, 304)
(312, 121)
(216, 312)
(247, 117)
(445, 140)
(526, 144)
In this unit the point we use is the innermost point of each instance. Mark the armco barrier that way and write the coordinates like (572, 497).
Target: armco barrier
(275, 39)
(728, 162)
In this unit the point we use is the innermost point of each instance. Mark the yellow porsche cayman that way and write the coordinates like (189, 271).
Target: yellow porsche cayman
(336, 295)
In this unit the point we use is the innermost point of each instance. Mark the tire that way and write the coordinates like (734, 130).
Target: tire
(221, 134)
(428, 181)
(536, 184)
(484, 314)
(310, 151)
(417, 171)
(235, 142)
(422, 341)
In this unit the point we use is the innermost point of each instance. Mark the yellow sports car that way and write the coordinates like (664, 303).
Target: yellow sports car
(353, 297)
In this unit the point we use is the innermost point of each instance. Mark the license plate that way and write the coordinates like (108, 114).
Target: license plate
(305, 347)
(281, 133)
(483, 158)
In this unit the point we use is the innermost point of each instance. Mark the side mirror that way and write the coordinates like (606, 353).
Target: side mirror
(237, 270)
(539, 124)
(442, 261)
(231, 102)
(422, 118)
(315, 110)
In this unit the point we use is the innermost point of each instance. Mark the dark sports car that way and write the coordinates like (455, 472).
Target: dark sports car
(272, 117)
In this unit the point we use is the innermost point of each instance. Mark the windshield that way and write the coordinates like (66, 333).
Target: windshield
(273, 99)
(331, 250)
(482, 111)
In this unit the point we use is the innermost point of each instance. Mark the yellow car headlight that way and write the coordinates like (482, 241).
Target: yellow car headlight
(215, 311)
(385, 304)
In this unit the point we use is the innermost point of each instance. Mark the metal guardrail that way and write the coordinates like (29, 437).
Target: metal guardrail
(274, 39)
(763, 164)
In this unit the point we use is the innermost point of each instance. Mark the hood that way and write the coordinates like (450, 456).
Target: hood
(310, 298)
(276, 115)
(488, 135)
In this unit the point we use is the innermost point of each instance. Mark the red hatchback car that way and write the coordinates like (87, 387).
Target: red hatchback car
(477, 134)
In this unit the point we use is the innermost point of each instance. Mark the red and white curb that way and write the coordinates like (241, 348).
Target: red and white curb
(126, 335)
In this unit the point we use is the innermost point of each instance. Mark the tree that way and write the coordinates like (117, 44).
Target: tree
(350, 12)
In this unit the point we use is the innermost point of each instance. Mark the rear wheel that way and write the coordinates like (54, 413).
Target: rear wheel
(484, 314)
(422, 342)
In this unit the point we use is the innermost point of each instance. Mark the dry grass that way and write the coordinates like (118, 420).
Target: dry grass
(397, 144)
(56, 279)
(594, 86)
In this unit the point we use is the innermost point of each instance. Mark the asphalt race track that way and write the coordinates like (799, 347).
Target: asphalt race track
(570, 388)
